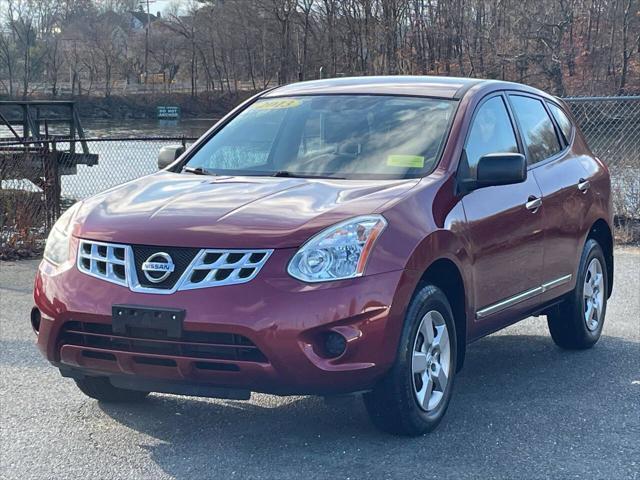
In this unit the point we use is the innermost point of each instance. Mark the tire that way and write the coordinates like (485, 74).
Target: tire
(101, 389)
(394, 404)
(571, 325)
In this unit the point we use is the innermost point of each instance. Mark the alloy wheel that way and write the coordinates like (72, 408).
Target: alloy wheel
(431, 360)
(593, 292)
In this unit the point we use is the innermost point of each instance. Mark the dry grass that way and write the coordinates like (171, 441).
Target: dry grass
(22, 224)
(625, 188)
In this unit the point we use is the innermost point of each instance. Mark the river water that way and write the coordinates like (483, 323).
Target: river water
(146, 128)
(190, 127)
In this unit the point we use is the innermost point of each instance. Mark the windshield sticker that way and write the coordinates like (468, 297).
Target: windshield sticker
(406, 161)
(278, 103)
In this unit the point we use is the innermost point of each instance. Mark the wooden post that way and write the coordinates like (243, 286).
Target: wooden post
(52, 191)
(72, 129)
(25, 121)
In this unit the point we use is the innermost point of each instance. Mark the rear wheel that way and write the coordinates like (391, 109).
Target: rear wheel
(414, 395)
(577, 322)
(101, 389)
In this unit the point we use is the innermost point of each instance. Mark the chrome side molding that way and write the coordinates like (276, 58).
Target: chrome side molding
(556, 283)
(520, 297)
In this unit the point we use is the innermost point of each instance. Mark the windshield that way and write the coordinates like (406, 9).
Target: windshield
(339, 136)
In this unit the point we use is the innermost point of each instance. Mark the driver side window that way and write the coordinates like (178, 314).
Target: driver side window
(491, 132)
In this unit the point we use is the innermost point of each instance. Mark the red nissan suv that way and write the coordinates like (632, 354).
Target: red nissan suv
(338, 236)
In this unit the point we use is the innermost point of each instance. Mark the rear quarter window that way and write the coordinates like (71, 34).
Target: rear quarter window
(538, 132)
(563, 121)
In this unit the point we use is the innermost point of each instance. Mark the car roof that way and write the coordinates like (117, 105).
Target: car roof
(424, 86)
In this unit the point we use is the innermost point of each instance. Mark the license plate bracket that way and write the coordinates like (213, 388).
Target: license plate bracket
(127, 319)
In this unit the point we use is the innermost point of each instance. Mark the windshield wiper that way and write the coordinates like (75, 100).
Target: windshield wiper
(286, 173)
(196, 170)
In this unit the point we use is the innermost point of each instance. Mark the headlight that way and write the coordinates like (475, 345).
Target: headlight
(56, 249)
(339, 252)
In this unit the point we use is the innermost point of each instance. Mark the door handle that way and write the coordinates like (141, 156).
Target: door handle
(584, 185)
(533, 204)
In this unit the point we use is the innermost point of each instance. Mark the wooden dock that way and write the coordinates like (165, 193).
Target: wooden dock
(47, 141)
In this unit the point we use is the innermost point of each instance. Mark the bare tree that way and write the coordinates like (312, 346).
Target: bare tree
(283, 11)
(8, 58)
(107, 38)
(22, 26)
(566, 46)
(306, 6)
(54, 60)
(626, 50)
(186, 27)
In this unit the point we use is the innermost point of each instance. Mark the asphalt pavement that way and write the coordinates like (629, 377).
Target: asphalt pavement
(521, 409)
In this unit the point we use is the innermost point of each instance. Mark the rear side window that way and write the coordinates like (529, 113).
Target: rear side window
(562, 120)
(537, 128)
(491, 132)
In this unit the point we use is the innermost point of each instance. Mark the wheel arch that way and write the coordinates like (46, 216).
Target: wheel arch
(446, 275)
(601, 233)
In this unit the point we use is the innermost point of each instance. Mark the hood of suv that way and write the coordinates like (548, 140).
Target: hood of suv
(228, 212)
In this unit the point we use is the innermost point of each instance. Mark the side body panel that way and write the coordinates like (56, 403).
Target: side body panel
(570, 213)
(565, 224)
(475, 227)
(506, 248)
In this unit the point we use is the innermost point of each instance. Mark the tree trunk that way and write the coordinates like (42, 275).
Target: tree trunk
(107, 80)
(27, 68)
(626, 54)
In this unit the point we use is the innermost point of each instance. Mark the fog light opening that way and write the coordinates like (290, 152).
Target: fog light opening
(35, 319)
(334, 344)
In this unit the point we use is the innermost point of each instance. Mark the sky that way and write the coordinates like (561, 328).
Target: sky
(162, 5)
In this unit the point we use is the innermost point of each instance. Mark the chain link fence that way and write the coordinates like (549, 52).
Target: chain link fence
(611, 126)
(120, 161)
(41, 179)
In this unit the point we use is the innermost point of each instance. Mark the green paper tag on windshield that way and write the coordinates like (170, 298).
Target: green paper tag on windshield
(277, 103)
(406, 161)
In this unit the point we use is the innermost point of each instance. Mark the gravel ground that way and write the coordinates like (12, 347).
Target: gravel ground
(522, 408)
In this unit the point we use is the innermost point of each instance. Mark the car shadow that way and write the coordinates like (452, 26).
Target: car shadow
(515, 394)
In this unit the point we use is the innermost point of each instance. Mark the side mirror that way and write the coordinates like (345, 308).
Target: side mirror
(168, 155)
(498, 169)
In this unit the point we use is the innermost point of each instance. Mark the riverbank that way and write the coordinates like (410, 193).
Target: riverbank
(144, 106)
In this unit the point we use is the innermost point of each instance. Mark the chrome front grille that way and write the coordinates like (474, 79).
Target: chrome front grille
(214, 268)
(204, 268)
(107, 261)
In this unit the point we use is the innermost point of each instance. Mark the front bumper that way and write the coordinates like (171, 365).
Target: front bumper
(283, 318)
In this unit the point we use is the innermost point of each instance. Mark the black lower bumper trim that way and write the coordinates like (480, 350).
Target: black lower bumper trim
(165, 386)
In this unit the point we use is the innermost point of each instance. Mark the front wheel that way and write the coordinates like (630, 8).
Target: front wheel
(414, 395)
(577, 322)
(101, 389)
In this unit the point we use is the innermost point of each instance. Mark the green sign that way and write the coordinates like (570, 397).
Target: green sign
(168, 112)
